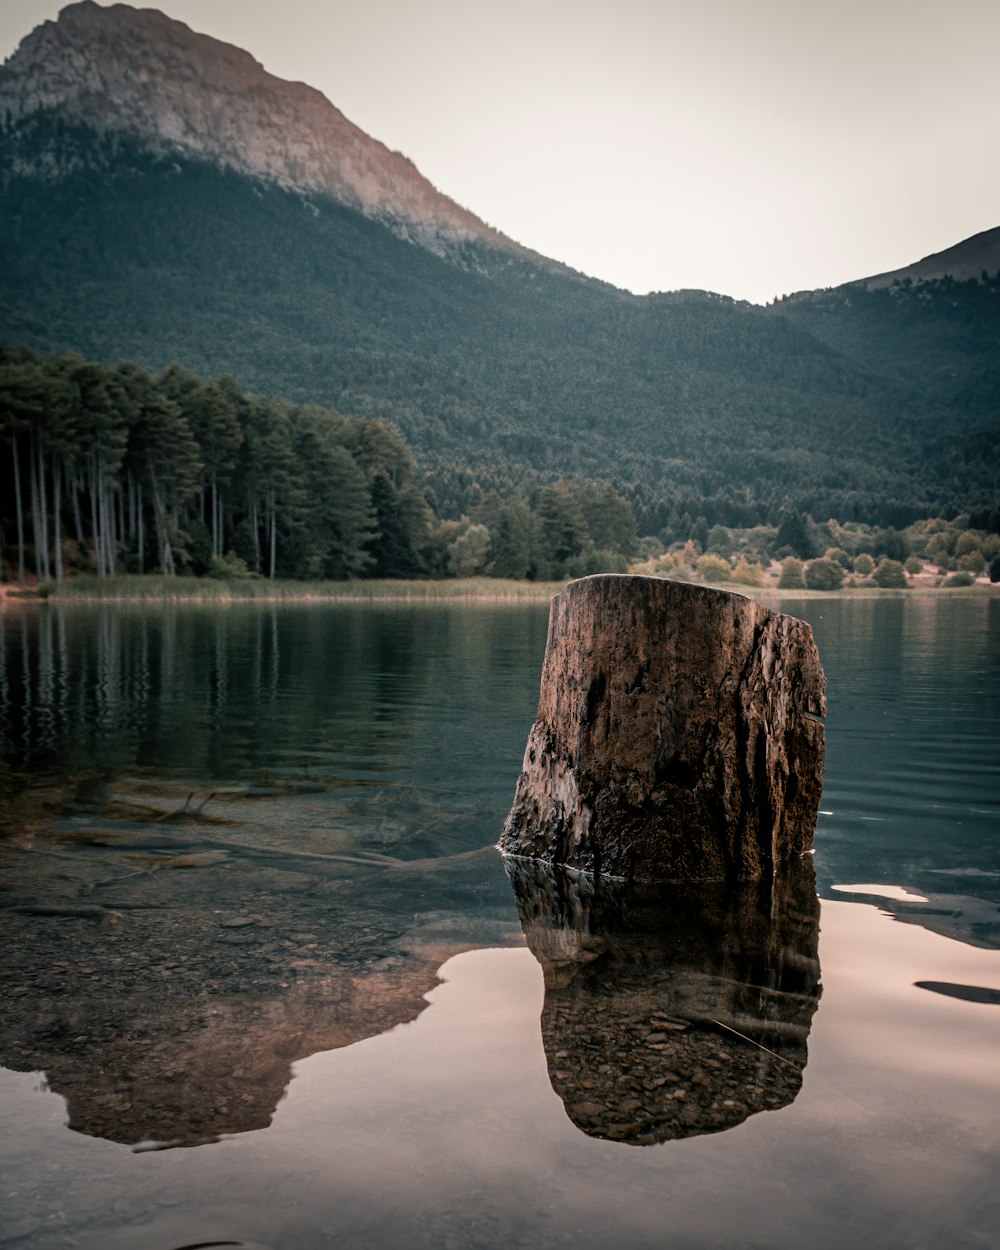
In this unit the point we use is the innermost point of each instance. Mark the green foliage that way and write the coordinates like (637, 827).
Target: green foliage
(973, 562)
(966, 543)
(956, 580)
(913, 565)
(824, 574)
(469, 553)
(864, 564)
(302, 491)
(791, 575)
(196, 477)
(720, 541)
(840, 556)
(798, 533)
(497, 371)
(939, 549)
(516, 542)
(228, 567)
(712, 568)
(890, 575)
(593, 560)
(747, 574)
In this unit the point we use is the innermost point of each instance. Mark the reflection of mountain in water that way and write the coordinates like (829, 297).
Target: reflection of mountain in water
(232, 837)
(676, 1011)
(166, 971)
(968, 918)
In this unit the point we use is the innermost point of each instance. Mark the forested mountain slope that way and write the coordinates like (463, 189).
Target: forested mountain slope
(500, 368)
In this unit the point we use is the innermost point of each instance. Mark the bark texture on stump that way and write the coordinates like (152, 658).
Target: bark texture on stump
(676, 735)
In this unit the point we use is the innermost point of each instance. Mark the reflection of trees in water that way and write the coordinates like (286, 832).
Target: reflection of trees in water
(205, 689)
(223, 691)
(673, 1010)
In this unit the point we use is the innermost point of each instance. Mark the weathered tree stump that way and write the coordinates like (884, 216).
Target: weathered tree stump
(676, 736)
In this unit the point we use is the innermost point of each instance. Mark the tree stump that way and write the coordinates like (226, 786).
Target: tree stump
(677, 735)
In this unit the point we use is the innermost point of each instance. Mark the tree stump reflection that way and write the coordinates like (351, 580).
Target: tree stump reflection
(672, 1010)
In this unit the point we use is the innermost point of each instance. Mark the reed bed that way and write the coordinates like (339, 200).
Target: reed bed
(157, 589)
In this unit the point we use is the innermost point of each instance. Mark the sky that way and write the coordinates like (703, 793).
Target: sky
(750, 147)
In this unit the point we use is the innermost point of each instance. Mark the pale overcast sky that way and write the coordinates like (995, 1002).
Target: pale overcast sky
(748, 148)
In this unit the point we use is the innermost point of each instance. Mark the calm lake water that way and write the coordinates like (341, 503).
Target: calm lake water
(268, 984)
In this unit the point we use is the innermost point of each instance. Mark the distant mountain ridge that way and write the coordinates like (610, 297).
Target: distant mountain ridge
(162, 198)
(971, 258)
(140, 73)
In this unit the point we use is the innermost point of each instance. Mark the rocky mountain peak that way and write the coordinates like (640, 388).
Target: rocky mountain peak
(137, 71)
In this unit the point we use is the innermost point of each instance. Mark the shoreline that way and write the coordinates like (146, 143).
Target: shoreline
(156, 590)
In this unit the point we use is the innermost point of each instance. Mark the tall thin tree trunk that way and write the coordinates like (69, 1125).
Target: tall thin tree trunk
(43, 511)
(214, 505)
(95, 529)
(36, 524)
(20, 513)
(74, 482)
(130, 485)
(102, 513)
(139, 527)
(255, 526)
(56, 523)
(273, 532)
(163, 536)
(109, 514)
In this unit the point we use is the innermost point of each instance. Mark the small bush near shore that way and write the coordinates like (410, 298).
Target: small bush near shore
(714, 569)
(824, 575)
(747, 574)
(890, 575)
(791, 574)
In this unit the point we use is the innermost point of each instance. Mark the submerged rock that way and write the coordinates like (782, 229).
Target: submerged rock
(676, 735)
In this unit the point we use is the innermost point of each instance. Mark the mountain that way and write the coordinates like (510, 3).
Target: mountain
(138, 73)
(976, 257)
(163, 198)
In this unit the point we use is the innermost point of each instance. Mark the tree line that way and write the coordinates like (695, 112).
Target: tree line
(114, 470)
(501, 374)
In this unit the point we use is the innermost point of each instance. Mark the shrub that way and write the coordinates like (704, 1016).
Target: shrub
(864, 564)
(747, 574)
(995, 570)
(228, 566)
(824, 575)
(939, 549)
(720, 541)
(593, 560)
(714, 569)
(468, 554)
(972, 562)
(791, 575)
(668, 564)
(914, 564)
(958, 579)
(841, 557)
(890, 575)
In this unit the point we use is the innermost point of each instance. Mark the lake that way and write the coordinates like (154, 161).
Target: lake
(268, 984)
